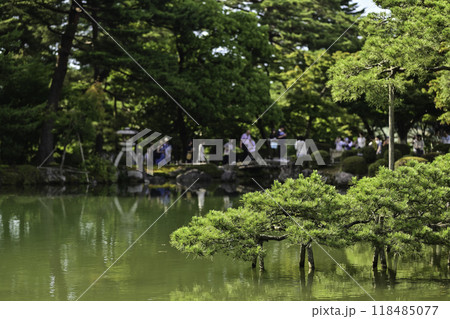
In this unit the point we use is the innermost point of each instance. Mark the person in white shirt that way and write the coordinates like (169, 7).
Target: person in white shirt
(245, 143)
(252, 148)
(418, 145)
(379, 144)
(201, 153)
(339, 144)
(445, 139)
(300, 147)
(227, 149)
(361, 142)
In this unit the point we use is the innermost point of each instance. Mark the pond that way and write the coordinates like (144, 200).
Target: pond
(53, 246)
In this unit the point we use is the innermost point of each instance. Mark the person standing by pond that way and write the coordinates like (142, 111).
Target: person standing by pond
(340, 144)
(361, 142)
(273, 143)
(281, 134)
(245, 143)
(379, 145)
(300, 147)
(227, 150)
(281, 139)
(418, 145)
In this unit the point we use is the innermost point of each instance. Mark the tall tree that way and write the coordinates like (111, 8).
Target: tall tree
(401, 49)
(46, 144)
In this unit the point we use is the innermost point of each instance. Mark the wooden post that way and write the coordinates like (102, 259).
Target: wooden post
(391, 125)
(63, 158)
(82, 156)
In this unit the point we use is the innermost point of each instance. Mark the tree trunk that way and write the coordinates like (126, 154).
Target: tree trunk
(436, 259)
(99, 140)
(309, 127)
(254, 262)
(382, 254)
(301, 264)
(368, 128)
(302, 278)
(391, 127)
(310, 257)
(46, 143)
(183, 134)
(375, 259)
(260, 257)
(261, 263)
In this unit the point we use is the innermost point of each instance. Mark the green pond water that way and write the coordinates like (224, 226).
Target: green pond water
(53, 246)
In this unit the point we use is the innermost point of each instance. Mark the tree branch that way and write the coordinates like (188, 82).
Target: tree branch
(439, 68)
(357, 222)
(269, 237)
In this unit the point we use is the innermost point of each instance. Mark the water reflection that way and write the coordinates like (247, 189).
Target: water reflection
(52, 247)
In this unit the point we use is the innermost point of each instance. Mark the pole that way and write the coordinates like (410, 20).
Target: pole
(391, 126)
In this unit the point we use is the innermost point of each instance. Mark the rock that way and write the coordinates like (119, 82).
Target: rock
(156, 180)
(135, 189)
(285, 173)
(189, 177)
(135, 175)
(177, 172)
(343, 179)
(52, 175)
(228, 188)
(228, 176)
(307, 172)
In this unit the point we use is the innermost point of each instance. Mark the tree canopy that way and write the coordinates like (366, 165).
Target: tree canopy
(397, 212)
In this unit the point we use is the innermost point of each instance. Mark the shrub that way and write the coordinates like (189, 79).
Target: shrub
(442, 148)
(102, 170)
(374, 167)
(406, 159)
(210, 169)
(355, 165)
(348, 153)
(397, 154)
(325, 156)
(30, 174)
(431, 156)
(10, 176)
(405, 149)
(369, 154)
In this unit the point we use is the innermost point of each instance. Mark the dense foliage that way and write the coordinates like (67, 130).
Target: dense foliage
(398, 212)
(64, 79)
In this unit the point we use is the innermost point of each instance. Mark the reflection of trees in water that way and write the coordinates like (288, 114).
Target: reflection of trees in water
(201, 198)
(84, 232)
(306, 283)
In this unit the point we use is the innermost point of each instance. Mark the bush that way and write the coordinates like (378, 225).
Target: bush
(397, 154)
(30, 174)
(210, 169)
(374, 167)
(405, 149)
(348, 153)
(355, 165)
(406, 159)
(442, 148)
(102, 170)
(369, 154)
(325, 156)
(431, 156)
